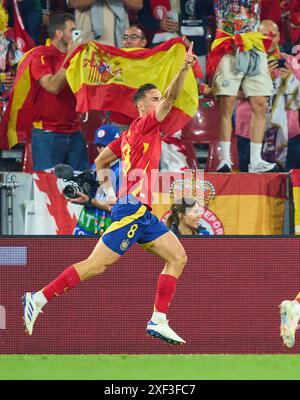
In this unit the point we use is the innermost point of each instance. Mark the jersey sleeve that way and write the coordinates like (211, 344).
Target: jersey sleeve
(115, 147)
(40, 67)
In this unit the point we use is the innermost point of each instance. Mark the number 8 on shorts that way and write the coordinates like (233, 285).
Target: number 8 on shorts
(132, 231)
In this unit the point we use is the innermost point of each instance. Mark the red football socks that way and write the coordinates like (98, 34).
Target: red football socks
(166, 288)
(68, 279)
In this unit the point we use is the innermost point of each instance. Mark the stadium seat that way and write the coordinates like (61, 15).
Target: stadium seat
(203, 129)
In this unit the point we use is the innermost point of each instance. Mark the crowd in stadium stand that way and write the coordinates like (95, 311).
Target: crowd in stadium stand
(265, 116)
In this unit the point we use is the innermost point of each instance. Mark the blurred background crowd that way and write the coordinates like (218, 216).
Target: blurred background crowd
(204, 142)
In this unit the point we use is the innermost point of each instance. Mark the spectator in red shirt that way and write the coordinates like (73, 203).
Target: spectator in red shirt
(56, 135)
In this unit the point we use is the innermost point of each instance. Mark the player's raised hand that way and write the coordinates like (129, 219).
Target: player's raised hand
(190, 58)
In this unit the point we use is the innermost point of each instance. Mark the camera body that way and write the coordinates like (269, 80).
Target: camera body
(84, 182)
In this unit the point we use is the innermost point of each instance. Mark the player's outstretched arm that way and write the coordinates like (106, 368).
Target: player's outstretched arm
(175, 86)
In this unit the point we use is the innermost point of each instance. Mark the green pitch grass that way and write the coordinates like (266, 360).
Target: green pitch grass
(149, 367)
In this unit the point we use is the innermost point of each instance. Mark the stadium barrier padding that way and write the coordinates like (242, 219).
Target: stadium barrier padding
(226, 302)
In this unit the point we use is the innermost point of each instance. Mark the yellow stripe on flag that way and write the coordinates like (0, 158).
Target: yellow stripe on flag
(260, 218)
(296, 197)
(249, 39)
(20, 94)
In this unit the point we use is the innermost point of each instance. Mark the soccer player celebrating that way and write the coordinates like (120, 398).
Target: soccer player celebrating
(132, 221)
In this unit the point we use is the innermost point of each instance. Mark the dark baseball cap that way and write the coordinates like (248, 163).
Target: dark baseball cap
(106, 134)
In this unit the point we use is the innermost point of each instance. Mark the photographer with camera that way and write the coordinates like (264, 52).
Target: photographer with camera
(84, 189)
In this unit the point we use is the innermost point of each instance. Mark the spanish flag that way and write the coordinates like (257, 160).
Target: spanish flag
(231, 204)
(17, 120)
(106, 78)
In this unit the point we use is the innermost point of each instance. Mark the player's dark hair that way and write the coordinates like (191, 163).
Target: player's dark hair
(142, 90)
(58, 21)
(177, 209)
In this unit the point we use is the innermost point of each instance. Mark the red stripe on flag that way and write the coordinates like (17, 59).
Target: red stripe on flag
(272, 185)
(295, 177)
(239, 42)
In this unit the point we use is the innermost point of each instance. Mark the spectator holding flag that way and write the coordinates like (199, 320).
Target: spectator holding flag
(56, 134)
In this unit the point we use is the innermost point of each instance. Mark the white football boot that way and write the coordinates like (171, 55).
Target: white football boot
(164, 332)
(31, 311)
(289, 315)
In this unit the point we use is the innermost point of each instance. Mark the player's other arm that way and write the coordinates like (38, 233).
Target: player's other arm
(175, 86)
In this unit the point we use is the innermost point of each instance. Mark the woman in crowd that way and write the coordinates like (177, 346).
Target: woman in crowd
(185, 218)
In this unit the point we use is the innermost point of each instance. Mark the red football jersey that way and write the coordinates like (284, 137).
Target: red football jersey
(53, 112)
(140, 150)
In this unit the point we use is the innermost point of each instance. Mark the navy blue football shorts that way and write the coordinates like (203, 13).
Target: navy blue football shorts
(132, 223)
